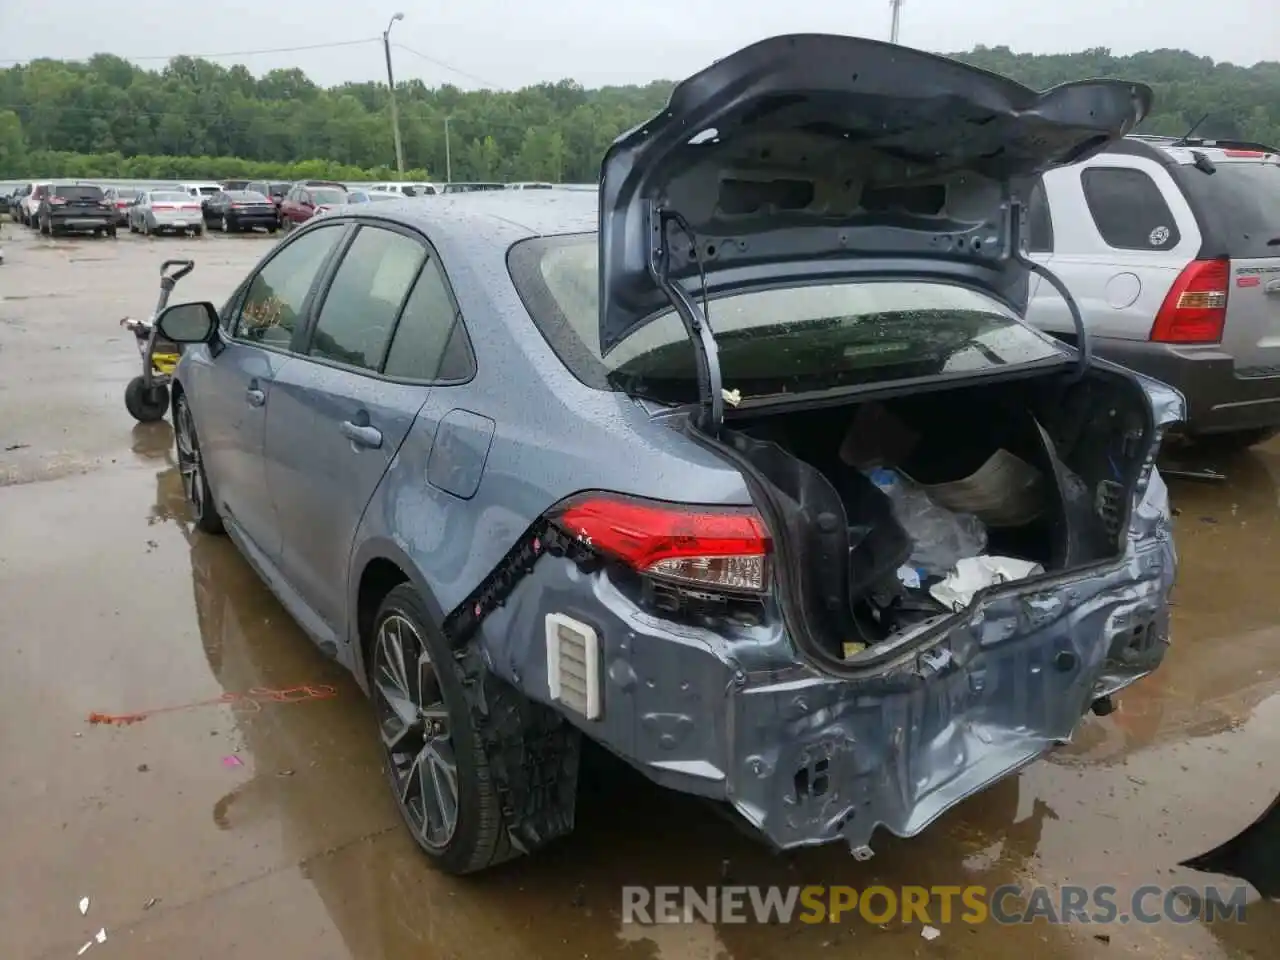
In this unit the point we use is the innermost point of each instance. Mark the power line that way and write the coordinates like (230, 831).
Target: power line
(234, 53)
(448, 66)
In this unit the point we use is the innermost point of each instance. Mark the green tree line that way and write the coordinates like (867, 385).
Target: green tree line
(194, 118)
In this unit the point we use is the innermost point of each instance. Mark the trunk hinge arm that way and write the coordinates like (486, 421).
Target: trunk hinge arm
(1084, 350)
(692, 315)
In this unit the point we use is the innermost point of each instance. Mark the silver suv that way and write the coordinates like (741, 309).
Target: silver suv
(1171, 247)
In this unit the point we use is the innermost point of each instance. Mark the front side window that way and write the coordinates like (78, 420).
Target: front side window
(785, 339)
(1128, 209)
(368, 289)
(277, 295)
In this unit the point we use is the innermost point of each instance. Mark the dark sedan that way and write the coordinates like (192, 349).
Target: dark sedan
(238, 210)
(81, 207)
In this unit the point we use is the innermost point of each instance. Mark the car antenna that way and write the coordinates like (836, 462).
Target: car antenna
(1186, 136)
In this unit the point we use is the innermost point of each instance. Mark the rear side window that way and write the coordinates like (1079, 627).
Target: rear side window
(1241, 202)
(1128, 209)
(360, 308)
(277, 295)
(430, 342)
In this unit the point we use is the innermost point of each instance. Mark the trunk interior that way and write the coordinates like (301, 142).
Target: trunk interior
(883, 497)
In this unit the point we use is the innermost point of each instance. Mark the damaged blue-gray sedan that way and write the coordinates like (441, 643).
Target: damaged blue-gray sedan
(746, 468)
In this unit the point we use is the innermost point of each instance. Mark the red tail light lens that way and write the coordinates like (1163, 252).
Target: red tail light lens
(1195, 308)
(57, 201)
(713, 547)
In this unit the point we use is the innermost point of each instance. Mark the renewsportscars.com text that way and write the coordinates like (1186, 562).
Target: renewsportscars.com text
(1008, 904)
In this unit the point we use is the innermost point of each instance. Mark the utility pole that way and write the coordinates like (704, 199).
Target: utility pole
(391, 88)
(448, 157)
(893, 29)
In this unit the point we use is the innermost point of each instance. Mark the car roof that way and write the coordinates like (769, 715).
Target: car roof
(498, 216)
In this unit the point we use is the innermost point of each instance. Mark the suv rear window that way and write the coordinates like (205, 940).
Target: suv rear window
(773, 340)
(1241, 202)
(1129, 209)
(76, 192)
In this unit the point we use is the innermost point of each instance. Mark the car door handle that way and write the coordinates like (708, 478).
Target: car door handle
(362, 435)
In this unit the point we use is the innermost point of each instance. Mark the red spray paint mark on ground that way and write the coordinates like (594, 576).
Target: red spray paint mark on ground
(249, 702)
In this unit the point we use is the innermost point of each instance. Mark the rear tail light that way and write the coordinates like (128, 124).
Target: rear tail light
(1195, 308)
(711, 547)
(57, 201)
(1244, 153)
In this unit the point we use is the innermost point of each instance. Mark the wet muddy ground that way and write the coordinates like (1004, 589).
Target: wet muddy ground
(264, 829)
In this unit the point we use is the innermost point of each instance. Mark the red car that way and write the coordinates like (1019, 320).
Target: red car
(308, 198)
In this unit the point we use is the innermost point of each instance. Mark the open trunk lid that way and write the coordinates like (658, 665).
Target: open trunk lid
(811, 155)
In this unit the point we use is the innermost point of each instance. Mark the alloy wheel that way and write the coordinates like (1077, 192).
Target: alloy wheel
(190, 464)
(416, 731)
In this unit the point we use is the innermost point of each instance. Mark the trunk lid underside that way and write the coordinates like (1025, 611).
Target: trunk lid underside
(807, 154)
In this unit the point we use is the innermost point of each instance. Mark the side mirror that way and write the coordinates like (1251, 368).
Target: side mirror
(188, 322)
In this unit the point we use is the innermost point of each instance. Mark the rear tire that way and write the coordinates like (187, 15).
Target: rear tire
(437, 730)
(112, 232)
(146, 406)
(198, 232)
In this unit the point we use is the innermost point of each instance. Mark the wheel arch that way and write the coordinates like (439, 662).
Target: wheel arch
(377, 567)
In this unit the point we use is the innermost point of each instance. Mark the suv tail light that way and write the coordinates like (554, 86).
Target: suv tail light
(57, 201)
(1195, 308)
(724, 548)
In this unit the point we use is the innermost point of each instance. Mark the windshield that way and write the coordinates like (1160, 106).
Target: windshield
(1242, 202)
(357, 196)
(168, 197)
(776, 340)
(126, 193)
(322, 195)
(210, 191)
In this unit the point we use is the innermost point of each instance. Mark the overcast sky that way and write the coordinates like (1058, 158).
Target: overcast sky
(510, 43)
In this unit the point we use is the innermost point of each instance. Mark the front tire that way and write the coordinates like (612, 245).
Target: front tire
(195, 481)
(435, 761)
(146, 406)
